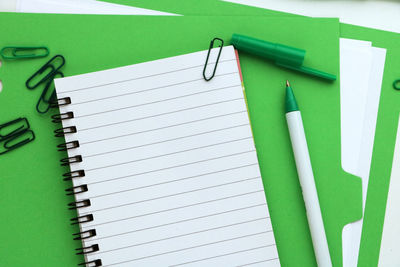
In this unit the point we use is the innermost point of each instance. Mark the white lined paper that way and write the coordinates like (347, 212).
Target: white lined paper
(170, 165)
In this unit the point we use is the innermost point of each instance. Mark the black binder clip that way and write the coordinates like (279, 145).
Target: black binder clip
(48, 95)
(51, 67)
(208, 56)
(18, 135)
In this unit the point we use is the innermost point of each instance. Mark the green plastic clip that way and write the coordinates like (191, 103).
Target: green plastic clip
(282, 55)
(24, 52)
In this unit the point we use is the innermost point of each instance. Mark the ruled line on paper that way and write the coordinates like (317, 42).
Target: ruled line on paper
(167, 168)
(173, 181)
(164, 141)
(182, 235)
(227, 254)
(181, 221)
(190, 177)
(165, 127)
(73, 103)
(142, 77)
(193, 247)
(168, 154)
(177, 194)
(165, 113)
(176, 208)
(156, 102)
(257, 262)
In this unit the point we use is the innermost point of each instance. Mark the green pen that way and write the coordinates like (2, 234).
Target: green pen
(282, 55)
(306, 179)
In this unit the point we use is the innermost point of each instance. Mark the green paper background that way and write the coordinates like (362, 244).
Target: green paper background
(33, 203)
(388, 115)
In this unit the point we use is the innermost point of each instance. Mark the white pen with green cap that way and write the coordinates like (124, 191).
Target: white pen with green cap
(306, 178)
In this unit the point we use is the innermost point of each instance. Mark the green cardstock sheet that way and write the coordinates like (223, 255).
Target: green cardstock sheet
(35, 222)
(388, 115)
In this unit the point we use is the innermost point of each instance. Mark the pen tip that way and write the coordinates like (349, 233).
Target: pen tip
(287, 83)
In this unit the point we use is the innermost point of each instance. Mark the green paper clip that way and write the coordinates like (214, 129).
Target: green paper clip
(282, 55)
(24, 52)
(14, 134)
(396, 84)
(48, 70)
(15, 141)
(13, 127)
(48, 95)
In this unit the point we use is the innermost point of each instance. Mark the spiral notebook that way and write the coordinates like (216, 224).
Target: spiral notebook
(163, 165)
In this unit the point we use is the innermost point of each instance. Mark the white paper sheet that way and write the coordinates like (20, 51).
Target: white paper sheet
(170, 165)
(73, 7)
(390, 249)
(382, 15)
(362, 69)
(355, 68)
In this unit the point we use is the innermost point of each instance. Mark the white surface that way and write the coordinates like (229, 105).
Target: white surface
(390, 250)
(72, 7)
(361, 72)
(8, 5)
(309, 190)
(355, 67)
(170, 164)
(383, 15)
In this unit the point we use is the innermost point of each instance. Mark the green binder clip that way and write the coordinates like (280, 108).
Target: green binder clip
(24, 52)
(282, 55)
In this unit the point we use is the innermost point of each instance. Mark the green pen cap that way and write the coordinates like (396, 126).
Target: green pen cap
(282, 55)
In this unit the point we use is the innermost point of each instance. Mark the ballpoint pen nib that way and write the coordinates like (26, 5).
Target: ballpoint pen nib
(287, 83)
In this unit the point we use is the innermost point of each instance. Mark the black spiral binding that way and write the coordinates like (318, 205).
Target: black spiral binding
(76, 189)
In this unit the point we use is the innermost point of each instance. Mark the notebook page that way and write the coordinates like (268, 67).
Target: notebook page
(170, 165)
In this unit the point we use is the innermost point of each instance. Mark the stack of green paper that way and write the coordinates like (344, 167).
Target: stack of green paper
(35, 216)
(387, 116)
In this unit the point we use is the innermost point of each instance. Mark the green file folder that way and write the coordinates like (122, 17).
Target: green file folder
(388, 115)
(35, 227)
